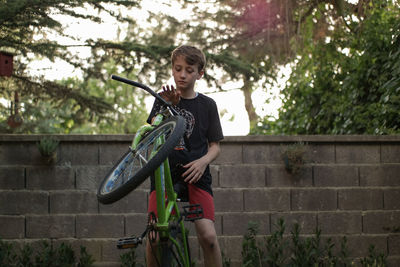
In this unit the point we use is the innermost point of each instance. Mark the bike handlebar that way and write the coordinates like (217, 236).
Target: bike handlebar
(144, 87)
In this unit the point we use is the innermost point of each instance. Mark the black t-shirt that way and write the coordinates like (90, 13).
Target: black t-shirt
(202, 127)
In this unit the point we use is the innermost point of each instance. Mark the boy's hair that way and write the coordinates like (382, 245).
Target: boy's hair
(192, 56)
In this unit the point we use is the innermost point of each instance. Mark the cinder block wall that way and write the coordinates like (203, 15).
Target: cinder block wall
(349, 187)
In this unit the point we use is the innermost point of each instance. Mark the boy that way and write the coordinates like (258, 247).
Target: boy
(201, 147)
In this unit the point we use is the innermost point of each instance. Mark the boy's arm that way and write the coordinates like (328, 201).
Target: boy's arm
(196, 168)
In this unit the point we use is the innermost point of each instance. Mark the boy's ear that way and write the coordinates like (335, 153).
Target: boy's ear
(201, 73)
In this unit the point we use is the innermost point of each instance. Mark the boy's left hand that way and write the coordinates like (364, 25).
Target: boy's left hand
(195, 170)
(172, 95)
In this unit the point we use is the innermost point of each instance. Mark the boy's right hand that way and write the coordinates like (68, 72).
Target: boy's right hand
(171, 95)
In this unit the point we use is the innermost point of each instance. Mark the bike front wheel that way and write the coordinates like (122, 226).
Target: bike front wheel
(136, 165)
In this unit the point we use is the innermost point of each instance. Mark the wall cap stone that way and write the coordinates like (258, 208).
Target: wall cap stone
(228, 139)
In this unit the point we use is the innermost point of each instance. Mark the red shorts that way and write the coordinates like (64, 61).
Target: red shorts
(196, 196)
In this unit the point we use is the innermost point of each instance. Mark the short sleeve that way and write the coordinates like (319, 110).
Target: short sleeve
(214, 133)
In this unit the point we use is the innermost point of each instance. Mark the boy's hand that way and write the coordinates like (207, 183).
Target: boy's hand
(195, 170)
(171, 95)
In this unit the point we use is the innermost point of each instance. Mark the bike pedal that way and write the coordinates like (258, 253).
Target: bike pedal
(130, 242)
(193, 212)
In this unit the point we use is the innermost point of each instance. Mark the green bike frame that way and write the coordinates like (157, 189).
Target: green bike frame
(167, 206)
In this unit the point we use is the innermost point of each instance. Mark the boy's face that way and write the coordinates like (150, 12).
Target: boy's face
(185, 75)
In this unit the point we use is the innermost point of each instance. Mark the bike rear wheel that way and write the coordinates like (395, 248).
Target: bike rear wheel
(172, 253)
(136, 165)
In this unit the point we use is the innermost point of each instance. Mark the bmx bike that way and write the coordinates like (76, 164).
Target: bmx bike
(148, 155)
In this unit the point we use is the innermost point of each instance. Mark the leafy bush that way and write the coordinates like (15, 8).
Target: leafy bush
(48, 255)
(296, 250)
(47, 146)
(128, 259)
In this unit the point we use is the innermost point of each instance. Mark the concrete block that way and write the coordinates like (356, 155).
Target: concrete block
(358, 245)
(277, 176)
(236, 223)
(391, 199)
(381, 222)
(313, 199)
(50, 178)
(266, 199)
(231, 246)
(320, 153)
(340, 223)
(50, 226)
(12, 178)
(135, 224)
(110, 252)
(100, 226)
(380, 175)
(12, 227)
(24, 202)
(336, 176)
(20, 153)
(79, 153)
(394, 244)
(230, 154)
(390, 153)
(360, 199)
(110, 154)
(134, 202)
(262, 153)
(242, 176)
(393, 261)
(73, 202)
(228, 200)
(306, 220)
(90, 177)
(354, 153)
(214, 169)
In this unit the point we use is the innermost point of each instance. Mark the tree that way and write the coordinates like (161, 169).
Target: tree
(258, 33)
(26, 30)
(347, 84)
(136, 57)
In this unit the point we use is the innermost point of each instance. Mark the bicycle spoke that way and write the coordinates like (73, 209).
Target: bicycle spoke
(143, 159)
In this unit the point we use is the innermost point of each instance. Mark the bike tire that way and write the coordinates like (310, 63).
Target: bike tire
(136, 166)
(169, 254)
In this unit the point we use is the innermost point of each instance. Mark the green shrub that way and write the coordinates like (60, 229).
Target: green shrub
(299, 251)
(128, 259)
(47, 146)
(47, 255)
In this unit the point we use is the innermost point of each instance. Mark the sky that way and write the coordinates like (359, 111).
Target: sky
(234, 118)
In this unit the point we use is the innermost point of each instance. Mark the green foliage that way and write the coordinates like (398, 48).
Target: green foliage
(251, 254)
(374, 258)
(347, 84)
(48, 255)
(7, 255)
(128, 113)
(47, 146)
(28, 29)
(297, 250)
(293, 157)
(275, 245)
(128, 259)
(226, 262)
